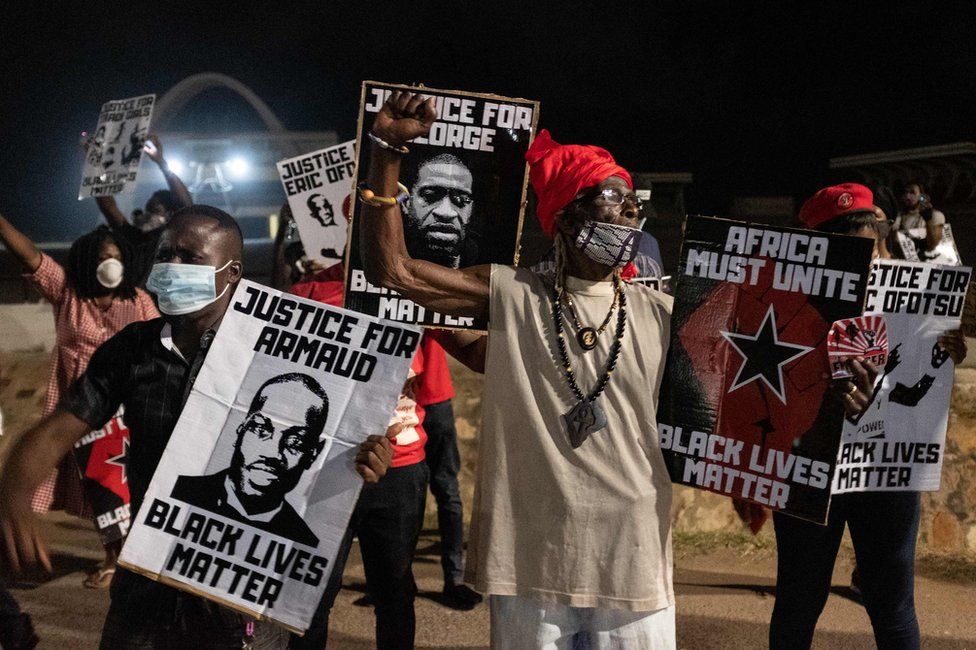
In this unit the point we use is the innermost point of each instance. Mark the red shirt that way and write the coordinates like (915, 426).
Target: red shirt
(434, 386)
(408, 447)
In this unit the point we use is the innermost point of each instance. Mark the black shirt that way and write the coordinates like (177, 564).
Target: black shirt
(143, 249)
(135, 370)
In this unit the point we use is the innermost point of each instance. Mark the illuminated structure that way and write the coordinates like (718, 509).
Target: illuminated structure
(235, 170)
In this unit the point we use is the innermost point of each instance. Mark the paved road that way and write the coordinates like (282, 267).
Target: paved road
(724, 601)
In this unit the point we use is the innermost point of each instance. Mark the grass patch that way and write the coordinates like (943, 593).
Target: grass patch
(691, 543)
(952, 568)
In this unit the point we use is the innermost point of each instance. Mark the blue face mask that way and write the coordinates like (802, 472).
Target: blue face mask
(184, 288)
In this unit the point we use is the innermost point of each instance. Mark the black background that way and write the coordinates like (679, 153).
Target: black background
(752, 97)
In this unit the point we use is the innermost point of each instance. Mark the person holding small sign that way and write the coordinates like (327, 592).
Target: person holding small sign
(143, 233)
(883, 525)
(150, 367)
(918, 212)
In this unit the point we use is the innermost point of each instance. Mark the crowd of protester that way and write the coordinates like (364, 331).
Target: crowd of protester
(571, 543)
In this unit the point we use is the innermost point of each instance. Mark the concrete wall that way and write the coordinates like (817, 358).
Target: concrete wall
(26, 327)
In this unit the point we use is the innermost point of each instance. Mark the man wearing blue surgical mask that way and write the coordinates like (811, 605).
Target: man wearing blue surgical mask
(149, 368)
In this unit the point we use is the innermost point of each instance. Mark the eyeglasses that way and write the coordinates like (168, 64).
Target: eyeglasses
(436, 194)
(613, 196)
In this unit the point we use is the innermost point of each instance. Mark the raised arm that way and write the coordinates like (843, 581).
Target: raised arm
(110, 210)
(154, 149)
(457, 292)
(18, 244)
(32, 458)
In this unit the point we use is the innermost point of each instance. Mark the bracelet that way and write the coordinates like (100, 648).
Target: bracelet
(402, 149)
(369, 197)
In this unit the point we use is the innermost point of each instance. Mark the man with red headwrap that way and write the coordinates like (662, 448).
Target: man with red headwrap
(571, 532)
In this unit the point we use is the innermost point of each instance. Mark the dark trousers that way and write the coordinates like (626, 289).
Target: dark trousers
(387, 520)
(16, 631)
(444, 462)
(884, 527)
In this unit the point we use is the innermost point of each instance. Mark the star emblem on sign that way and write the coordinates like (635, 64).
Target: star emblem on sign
(764, 355)
(121, 460)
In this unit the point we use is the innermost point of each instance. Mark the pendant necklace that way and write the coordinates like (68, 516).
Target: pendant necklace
(586, 336)
(587, 416)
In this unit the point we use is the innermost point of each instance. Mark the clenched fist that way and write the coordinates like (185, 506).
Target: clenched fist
(404, 116)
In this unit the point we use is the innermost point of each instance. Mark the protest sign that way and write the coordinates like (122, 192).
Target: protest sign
(318, 185)
(114, 150)
(467, 182)
(898, 442)
(254, 491)
(864, 338)
(912, 245)
(102, 457)
(744, 409)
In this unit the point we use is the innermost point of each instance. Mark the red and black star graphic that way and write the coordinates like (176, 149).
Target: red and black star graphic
(107, 460)
(738, 379)
(764, 355)
(121, 460)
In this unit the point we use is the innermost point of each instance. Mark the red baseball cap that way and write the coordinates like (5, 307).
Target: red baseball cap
(836, 201)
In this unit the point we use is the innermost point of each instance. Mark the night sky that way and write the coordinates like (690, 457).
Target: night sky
(752, 98)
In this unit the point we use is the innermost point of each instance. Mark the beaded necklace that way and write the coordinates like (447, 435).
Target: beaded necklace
(587, 416)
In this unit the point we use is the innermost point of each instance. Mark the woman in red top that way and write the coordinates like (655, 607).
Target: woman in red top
(93, 298)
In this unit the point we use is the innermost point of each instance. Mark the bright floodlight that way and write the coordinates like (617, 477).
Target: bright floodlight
(238, 166)
(175, 165)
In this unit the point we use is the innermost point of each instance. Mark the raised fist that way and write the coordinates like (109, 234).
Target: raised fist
(154, 149)
(404, 116)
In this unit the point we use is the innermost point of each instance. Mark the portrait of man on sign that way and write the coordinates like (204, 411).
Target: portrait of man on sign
(270, 454)
(438, 213)
(322, 211)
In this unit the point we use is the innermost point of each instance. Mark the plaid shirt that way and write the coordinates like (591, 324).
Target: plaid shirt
(81, 327)
(135, 369)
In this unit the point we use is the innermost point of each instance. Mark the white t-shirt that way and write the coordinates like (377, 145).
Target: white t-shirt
(913, 220)
(586, 527)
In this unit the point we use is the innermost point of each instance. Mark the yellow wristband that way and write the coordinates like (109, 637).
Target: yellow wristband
(369, 197)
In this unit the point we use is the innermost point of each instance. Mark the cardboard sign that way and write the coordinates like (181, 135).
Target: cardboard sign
(318, 185)
(744, 409)
(912, 245)
(467, 182)
(254, 491)
(898, 442)
(102, 457)
(113, 154)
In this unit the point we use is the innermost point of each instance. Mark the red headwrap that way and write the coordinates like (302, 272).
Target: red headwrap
(559, 171)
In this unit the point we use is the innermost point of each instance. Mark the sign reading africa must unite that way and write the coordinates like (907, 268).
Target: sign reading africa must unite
(744, 409)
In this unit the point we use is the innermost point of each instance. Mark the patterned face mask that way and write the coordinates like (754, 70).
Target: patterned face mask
(608, 243)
